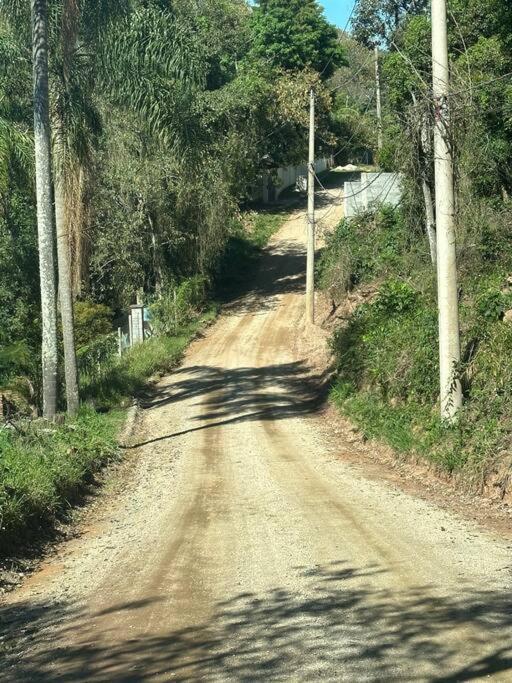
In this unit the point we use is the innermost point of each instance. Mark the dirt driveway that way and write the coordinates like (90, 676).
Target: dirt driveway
(240, 548)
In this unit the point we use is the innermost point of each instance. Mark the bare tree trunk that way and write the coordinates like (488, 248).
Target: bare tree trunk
(427, 153)
(380, 140)
(66, 295)
(45, 228)
(430, 219)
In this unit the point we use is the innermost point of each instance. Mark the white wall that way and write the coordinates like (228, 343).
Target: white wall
(374, 189)
(288, 176)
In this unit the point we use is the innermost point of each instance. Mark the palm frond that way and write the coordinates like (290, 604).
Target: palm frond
(151, 63)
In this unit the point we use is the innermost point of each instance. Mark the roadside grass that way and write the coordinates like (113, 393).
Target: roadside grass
(125, 377)
(43, 467)
(386, 349)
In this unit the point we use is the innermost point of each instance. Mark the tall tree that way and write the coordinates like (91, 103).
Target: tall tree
(45, 225)
(294, 35)
(377, 21)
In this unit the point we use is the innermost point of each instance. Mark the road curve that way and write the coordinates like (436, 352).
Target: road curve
(242, 549)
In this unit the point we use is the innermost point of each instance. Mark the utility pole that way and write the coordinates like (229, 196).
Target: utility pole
(448, 300)
(310, 261)
(379, 101)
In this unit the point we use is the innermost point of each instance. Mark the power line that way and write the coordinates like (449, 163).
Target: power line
(344, 31)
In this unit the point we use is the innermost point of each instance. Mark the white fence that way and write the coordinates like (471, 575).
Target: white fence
(287, 176)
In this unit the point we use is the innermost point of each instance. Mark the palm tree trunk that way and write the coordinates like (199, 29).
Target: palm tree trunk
(45, 229)
(66, 295)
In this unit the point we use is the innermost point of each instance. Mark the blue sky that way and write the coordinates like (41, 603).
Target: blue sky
(338, 11)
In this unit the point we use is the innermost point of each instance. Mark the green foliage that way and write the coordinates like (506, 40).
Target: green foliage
(179, 304)
(44, 466)
(386, 353)
(95, 358)
(14, 360)
(119, 379)
(377, 21)
(389, 346)
(247, 237)
(294, 34)
(492, 304)
(92, 320)
(395, 297)
(372, 245)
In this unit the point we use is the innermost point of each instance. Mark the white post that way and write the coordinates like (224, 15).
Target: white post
(310, 261)
(449, 334)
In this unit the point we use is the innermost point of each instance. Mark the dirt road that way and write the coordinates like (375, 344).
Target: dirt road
(241, 548)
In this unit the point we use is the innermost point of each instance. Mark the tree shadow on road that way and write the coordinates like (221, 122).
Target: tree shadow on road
(336, 622)
(281, 270)
(225, 396)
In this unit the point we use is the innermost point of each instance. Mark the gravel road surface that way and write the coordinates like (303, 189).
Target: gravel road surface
(240, 547)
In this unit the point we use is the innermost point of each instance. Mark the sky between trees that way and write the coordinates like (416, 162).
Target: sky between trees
(338, 11)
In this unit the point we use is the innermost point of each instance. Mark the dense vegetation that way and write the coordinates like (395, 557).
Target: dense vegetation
(167, 114)
(386, 351)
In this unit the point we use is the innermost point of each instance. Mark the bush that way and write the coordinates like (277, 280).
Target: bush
(91, 321)
(95, 358)
(369, 246)
(387, 353)
(123, 377)
(179, 305)
(247, 238)
(390, 346)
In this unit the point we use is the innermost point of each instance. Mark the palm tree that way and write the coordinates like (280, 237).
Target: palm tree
(68, 36)
(45, 228)
(75, 127)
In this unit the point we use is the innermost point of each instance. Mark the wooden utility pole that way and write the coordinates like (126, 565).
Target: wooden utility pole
(310, 262)
(45, 228)
(448, 300)
(379, 101)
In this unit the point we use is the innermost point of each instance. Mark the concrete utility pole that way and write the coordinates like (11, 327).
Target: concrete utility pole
(310, 264)
(448, 300)
(379, 101)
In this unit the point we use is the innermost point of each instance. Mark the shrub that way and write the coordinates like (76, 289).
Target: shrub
(373, 245)
(179, 305)
(387, 353)
(91, 321)
(395, 296)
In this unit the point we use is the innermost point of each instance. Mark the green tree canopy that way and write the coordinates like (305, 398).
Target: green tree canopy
(294, 34)
(378, 21)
